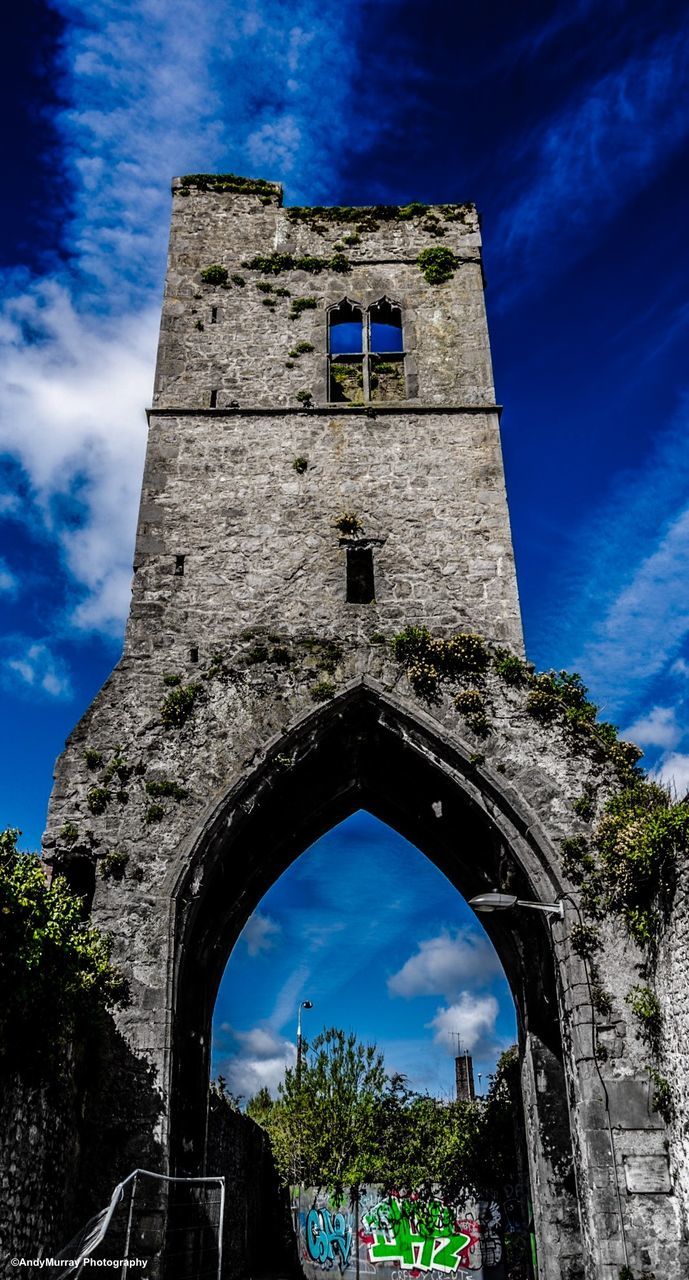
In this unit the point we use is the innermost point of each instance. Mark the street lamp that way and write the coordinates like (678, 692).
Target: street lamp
(305, 1004)
(489, 902)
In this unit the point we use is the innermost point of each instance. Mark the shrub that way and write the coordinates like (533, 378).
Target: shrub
(154, 813)
(348, 524)
(93, 758)
(98, 799)
(301, 349)
(301, 304)
(305, 398)
(166, 787)
(114, 865)
(215, 274)
(663, 1101)
(69, 834)
(645, 1006)
(437, 264)
(55, 971)
(179, 705)
(512, 669)
(322, 690)
(300, 465)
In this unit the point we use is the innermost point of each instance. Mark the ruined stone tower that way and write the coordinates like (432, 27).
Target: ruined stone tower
(323, 471)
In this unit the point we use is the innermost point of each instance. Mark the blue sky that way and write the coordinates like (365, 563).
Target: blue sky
(566, 123)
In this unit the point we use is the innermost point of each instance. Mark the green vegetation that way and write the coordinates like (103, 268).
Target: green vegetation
(215, 274)
(154, 813)
(348, 524)
(113, 865)
(178, 706)
(322, 690)
(437, 264)
(345, 1121)
(301, 304)
(222, 182)
(301, 349)
(93, 758)
(275, 263)
(98, 799)
(69, 834)
(300, 465)
(645, 1006)
(55, 970)
(238, 280)
(166, 787)
(305, 398)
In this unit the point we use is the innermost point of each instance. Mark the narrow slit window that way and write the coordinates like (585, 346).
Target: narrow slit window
(214, 400)
(193, 654)
(214, 315)
(360, 581)
(179, 566)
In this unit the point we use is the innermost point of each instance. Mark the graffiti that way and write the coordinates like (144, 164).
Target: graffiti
(414, 1236)
(381, 1237)
(328, 1238)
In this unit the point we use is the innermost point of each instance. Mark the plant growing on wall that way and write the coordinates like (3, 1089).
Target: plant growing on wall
(437, 264)
(215, 274)
(55, 971)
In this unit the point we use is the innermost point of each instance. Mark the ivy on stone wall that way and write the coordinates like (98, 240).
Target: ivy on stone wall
(55, 970)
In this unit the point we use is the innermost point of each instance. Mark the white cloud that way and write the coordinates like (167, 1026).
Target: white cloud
(259, 933)
(443, 965)
(261, 1062)
(658, 728)
(34, 668)
(673, 772)
(8, 582)
(73, 398)
(152, 90)
(472, 1018)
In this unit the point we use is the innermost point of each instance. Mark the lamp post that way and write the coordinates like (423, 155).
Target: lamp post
(488, 902)
(305, 1004)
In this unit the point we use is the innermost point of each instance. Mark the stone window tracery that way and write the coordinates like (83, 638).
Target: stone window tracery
(366, 352)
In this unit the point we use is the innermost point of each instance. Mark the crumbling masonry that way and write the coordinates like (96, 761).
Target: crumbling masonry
(292, 465)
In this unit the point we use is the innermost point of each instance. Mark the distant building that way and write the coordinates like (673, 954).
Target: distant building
(464, 1078)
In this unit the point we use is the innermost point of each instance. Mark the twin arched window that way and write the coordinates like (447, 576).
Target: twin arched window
(366, 352)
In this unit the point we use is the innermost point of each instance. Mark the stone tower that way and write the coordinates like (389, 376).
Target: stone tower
(323, 471)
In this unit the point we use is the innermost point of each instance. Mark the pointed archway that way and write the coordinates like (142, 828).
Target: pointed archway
(365, 750)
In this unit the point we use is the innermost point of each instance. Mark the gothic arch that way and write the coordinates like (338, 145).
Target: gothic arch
(366, 748)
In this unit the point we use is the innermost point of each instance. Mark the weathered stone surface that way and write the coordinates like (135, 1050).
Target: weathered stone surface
(256, 631)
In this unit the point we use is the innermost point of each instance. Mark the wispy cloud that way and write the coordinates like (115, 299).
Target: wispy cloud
(260, 933)
(657, 728)
(31, 668)
(601, 148)
(152, 90)
(8, 582)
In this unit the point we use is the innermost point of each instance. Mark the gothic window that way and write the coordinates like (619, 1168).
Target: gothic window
(386, 347)
(366, 359)
(345, 350)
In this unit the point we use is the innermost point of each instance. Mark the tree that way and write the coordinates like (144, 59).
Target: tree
(324, 1127)
(55, 969)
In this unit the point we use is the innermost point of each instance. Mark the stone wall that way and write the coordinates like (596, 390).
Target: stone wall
(39, 1147)
(671, 982)
(258, 1239)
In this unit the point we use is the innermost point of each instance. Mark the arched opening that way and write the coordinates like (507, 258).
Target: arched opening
(363, 750)
(386, 348)
(346, 352)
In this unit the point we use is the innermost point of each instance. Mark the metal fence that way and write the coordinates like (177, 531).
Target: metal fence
(154, 1226)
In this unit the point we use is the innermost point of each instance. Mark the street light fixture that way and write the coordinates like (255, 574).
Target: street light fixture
(305, 1004)
(489, 902)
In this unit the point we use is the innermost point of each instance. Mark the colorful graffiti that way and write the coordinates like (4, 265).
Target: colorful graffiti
(328, 1237)
(388, 1237)
(415, 1236)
